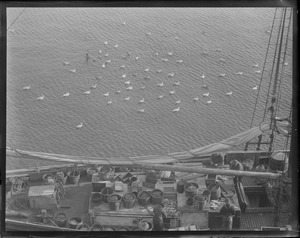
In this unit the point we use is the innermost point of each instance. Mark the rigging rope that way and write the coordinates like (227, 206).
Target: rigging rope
(16, 19)
(255, 105)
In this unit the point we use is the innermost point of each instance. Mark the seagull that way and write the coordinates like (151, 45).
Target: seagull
(41, 97)
(80, 125)
(286, 63)
(124, 23)
(66, 63)
(160, 96)
(177, 102)
(208, 102)
(26, 87)
(105, 42)
(106, 55)
(87, 92)
(118, 91)
(124, 76)
(160, 84)
(109, 102)
(136, 58)
(126, 99)
(141, 110)
(123, 66)
(171, 74)
(66, 94)
(94, 86)
(239, 73)
(170, 53)
(177, 83)
(142, 100)
(106, 94)
(176, 109)
(127, 82)
(196, 99)
(255, 88)
(100, 51)
(108, 61)
(222, 59)
(205, 94)
(164, 60)
(147, 69)
(172, 92)
(257, 72)
(129, 88)
(158, 71)
(255, 65)
(229, 93)
(142, 87)
(203, 76)
(73, 70)
(179, 61)
(116, 46)
(103, 65)
(156, 53)
(222, 75)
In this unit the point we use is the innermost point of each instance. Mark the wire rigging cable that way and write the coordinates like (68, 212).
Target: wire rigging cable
(16, 19)
(260, 82)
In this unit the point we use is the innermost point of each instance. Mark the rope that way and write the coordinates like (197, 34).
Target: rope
(273, 65)
(15, 19)
(255, 105)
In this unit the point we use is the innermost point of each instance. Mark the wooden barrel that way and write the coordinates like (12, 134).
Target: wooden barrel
(279, 161)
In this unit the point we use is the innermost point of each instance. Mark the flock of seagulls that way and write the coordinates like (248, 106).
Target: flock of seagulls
(125, 75)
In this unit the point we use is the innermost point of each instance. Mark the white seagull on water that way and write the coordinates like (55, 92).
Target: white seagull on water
(26, 87)
(66, 94)
(127, 82)
(196, 99)
(255, 88)
(142, 100)
(80, 125)
(176, 83)
(205, 94)
(73, 70)
(87, 92)
(222, 75)
(160, 84)
(126, 99)
(176, 109)
(124, 76)
(208, 102)
(106, 94)
(172, 92)
(41, 97)
(229, 93)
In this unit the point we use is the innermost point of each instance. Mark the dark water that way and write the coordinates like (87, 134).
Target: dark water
(42, 39)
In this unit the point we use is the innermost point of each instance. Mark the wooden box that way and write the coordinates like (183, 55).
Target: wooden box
(42, 197)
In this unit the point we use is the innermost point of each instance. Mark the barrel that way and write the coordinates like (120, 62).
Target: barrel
(279, 161)
(199, 201)
(190, 189)
(143, 198)
(60, 219)
(96, 227)
(106, 192)
(129, 200)
(215, 191)
(145, 225)
(91, 171)
(96, 197)
(114, 201)
(85, 227)
(75, 223)
(104, 172)
(156, 196)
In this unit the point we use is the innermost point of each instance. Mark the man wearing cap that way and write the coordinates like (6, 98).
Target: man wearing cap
(227, 212)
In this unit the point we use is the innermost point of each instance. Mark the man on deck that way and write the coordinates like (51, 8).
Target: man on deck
(236, 165)
(227, 212)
